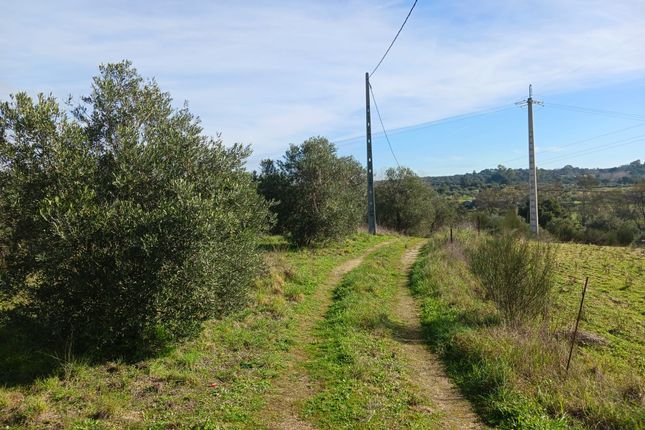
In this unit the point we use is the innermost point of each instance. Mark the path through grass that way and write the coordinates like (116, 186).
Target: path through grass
(358, 361)
(218, 380)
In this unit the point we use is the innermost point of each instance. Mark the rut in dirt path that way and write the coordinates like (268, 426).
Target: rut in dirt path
(293, 387)
(456, 413)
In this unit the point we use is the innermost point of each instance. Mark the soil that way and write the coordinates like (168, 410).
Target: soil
(429, 373)
(293, 387)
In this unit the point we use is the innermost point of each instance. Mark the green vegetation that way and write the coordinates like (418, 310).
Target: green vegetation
(317, 195)
(357, 359)
(407, 204)
(516, 375)
(568, 175)
(217, 379)
(517, 275)
(123, 227)
(600, 206)
(124, 230)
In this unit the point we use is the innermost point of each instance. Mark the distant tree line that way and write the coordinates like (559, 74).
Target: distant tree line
(502, 176)
(582, 212)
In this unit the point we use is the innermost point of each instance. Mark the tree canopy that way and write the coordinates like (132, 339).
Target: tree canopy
(124, 225)
(317, 195)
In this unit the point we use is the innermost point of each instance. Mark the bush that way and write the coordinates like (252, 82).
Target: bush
(512, 223)
(408, 204)
(516, 275)
(126, 226)
(565, 229)
(317, 195)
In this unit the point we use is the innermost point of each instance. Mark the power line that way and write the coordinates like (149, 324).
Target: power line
(577, 142)
(622, 115)
(383, 127)
(436, 122)
(395, 37)
(595, 149)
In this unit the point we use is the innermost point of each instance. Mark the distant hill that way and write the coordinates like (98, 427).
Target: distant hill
(567, 175)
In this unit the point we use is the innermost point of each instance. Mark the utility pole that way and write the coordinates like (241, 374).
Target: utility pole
(371, 209)
(533, 199)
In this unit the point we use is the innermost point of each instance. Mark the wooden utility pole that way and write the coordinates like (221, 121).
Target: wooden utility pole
(371, 209)
(533, 199)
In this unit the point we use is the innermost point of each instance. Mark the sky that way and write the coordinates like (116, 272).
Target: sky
(271, 73)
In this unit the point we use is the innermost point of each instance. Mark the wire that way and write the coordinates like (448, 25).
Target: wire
(595, 149)
(622, 115)
(440, 121)
(383, 127)
(395, 37)
(577, 142)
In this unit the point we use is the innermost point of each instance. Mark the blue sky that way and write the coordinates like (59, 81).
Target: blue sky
(270, 73)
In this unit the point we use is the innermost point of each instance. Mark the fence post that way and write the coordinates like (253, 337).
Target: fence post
(575, 330)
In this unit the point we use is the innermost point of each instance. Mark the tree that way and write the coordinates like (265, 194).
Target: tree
(318, 196)
(406, 203)
(550, 209)
(126, 226)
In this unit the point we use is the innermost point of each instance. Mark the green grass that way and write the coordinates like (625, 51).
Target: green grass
(516, 377)
(217, 380)
(357, 361)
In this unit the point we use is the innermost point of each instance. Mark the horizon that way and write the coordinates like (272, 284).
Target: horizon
(539, 168)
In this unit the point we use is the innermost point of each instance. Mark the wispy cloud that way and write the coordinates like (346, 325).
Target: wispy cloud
(274, 72)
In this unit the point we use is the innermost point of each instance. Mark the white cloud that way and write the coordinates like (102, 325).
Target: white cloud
(270, 73)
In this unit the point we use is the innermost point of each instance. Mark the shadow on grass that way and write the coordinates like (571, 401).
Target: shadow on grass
(275, 247)
(28, 353)
(275, 243)
(25, 353)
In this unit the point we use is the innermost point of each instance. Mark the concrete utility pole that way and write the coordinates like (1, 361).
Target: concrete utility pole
(533, 199)
(371, 208)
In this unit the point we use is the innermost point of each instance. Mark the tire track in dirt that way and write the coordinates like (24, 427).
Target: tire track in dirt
(293, 387)
(430, 376)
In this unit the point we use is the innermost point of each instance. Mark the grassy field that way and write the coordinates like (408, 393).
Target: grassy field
(357, 359)
(516, 377)
(216, 380)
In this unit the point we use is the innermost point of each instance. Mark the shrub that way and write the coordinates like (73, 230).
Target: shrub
(626, 233)
(408, 204)
(565, 229)
(516, 275)
(126, 226)
(513, 223)
(318, 196)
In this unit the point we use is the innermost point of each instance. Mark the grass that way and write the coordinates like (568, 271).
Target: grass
(217, 380)
(357, 361)
(516, 377)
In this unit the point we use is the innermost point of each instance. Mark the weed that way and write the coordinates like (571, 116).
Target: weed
(515, 375)
(517, 275)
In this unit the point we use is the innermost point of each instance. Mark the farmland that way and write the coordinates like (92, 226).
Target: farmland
(517, 377)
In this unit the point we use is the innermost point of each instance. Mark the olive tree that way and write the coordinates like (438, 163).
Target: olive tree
(124, 225)
(408, 204)
(318, 196)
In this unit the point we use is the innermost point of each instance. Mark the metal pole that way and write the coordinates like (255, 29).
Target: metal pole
(371, 209)
(533, 201)
(575, 331)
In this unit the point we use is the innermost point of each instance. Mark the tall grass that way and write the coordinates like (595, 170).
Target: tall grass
(515, 375)
(516, 275)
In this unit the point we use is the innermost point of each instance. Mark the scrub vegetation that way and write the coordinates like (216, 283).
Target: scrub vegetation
(515, 373)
